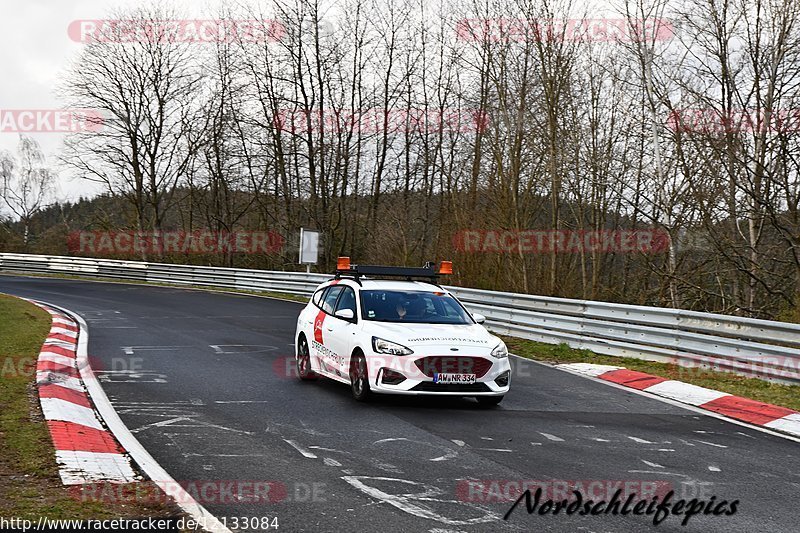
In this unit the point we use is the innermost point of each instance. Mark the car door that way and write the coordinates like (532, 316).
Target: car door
(342, 332)
(309, 314)
(323, 338)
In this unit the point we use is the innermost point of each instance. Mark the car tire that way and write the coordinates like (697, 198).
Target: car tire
(304, 371)
(359, 377)
(489, 401)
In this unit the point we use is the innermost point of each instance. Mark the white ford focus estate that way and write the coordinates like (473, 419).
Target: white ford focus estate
(398, 336)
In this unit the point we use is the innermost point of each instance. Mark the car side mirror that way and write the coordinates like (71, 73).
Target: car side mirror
(345, 314)
(479, 318)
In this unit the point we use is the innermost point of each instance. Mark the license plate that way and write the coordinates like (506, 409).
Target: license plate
(461, 379)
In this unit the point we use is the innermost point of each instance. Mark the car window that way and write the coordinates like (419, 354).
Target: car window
(347, 300)
(412, 306)
(317, 298)
(329, 300)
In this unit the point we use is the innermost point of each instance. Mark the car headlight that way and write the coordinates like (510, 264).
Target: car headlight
(500, 350)
(391, 348)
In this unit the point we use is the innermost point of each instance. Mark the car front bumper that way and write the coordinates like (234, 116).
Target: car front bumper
(419, 377)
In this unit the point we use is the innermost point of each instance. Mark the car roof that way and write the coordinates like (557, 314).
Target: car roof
(392, 285)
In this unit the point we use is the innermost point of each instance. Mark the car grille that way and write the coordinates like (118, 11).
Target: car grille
(453, 365)
(430, 386)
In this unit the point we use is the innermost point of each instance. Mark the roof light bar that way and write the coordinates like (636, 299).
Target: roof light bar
(429, 271)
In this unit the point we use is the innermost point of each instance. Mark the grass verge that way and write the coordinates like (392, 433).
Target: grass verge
(753, 388)
(30, 486)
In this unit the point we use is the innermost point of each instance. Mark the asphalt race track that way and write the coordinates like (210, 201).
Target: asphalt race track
(201, 380)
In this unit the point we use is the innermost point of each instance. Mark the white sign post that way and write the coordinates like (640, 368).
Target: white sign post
(309, 248)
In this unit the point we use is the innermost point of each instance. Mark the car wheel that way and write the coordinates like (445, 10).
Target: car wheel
(304, 371)
(359, 377)
(489, 401)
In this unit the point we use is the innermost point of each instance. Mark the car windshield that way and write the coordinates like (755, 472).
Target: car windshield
(412, 307)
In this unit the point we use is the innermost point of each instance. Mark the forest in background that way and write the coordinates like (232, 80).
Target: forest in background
(391, 126)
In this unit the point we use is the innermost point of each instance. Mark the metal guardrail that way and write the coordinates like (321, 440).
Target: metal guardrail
(760, 348)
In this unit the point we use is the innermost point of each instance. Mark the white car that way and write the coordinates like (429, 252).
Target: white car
(398, 337)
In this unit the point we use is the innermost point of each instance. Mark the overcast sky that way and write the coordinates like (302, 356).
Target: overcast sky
(34, 52)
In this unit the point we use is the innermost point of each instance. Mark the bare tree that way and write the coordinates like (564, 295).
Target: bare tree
(146, 91)
(26, 182)
(331, 123)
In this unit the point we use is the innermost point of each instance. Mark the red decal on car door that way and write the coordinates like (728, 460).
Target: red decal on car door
(318, 326)
(319, 320)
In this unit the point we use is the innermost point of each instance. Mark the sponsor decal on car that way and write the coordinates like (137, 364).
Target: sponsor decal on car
(447, 339)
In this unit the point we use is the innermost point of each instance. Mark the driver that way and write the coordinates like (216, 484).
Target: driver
(401, 309)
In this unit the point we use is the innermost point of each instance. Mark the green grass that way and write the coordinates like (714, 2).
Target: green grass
(30, 486)
(753, 388)
(23, 328)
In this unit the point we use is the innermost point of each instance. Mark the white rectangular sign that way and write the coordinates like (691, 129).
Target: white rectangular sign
(309, 247)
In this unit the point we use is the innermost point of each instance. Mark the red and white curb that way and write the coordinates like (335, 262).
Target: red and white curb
(86, 452)
(100, 447)
(742, 409)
